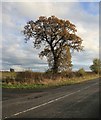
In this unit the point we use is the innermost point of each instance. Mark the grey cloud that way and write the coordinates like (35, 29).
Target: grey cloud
(16, 52)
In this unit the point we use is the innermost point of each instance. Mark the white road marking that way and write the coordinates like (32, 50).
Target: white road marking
(83, 98)
(51, 101)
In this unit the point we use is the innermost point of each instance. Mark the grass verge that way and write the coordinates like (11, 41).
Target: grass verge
(51, 83)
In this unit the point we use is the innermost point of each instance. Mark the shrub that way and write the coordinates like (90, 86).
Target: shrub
(37, 77)
(50, 75)
(29, 77)
(80, 72)
(68, 74)
(23, 76)
(9, 80)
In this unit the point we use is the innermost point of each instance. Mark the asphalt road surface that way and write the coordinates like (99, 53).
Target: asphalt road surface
(72, 101)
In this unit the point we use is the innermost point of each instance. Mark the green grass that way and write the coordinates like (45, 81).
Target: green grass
(22, 86)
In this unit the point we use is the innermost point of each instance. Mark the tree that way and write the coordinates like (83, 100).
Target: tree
(11, 70)
(65, 63)
(96, 67)
(58, 36)
(81, 72)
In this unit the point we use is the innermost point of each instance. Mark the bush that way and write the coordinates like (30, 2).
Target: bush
(68, 74)
(50, 75)
(29, 77)
(81, 72)
(25, 76)
(37, 77)
(8, 80)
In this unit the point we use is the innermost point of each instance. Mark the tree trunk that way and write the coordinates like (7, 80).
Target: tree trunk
(55, 65)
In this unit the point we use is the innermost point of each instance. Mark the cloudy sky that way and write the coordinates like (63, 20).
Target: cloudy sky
(19, 55)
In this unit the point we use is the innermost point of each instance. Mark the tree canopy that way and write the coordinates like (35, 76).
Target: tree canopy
(58, 36)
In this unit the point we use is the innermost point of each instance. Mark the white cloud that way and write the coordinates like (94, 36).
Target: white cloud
(17, 68)
(90, 37)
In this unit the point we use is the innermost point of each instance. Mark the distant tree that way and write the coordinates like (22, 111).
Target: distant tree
(11, 70)
(96, 67)
(81, 72)
(58, 36)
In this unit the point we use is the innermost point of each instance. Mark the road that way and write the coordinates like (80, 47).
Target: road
(72, 101)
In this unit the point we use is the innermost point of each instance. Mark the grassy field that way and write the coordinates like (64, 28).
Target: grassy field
(41, 80)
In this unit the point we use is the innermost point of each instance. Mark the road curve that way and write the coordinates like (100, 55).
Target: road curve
(72, 101)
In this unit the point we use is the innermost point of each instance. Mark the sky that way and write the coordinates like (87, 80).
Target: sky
(21, 56)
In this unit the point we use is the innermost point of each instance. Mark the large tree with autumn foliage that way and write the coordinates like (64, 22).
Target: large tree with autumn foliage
(58, 37)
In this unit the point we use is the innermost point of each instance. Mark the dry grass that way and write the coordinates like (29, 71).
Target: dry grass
(37, 80)
(66, 81)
